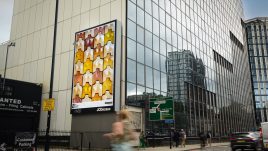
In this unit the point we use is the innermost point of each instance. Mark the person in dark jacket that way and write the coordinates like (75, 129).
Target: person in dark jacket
(209, 139)
(202, 137)
(176, 137)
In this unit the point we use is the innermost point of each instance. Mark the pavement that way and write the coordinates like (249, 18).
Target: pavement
(186, 148)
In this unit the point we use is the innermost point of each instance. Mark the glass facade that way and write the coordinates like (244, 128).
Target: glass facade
(257, 39)
(191, 51)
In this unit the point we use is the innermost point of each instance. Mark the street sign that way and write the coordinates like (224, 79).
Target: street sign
(169, 121)
(161, 109)
(49, 104)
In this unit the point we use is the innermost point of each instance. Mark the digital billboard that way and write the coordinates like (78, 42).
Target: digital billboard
(94, 63)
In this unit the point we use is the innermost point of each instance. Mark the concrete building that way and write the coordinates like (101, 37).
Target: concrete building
(148, 33)
(258, 56)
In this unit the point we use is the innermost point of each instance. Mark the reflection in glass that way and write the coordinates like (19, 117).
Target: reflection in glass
(131, 89)
(162, 31)
(162, 16)
(163, 47)
(179, 63)
(148, 6)
(131, 49)
(155, 27)
(131, 30)
(148, 39)
(155, 11)
(163, 63)
(140, 35)
(140, 3)
(168, 21)
(140, 74)
(148, 22)
(163, 82)
(156, 60)
(140, 90)
(140, 17)
(169, 48)
(156, 80)
(131, 93)
(174, 39)
(140, 53)
(132, 11)
(157, 93)
(168, 32)
(149, 77)
(155, 43)
(148, 57)
(131, 71)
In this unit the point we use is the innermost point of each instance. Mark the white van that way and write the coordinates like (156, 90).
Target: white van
(264, 133)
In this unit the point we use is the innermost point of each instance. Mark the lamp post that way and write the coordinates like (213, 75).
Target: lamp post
(11, 44)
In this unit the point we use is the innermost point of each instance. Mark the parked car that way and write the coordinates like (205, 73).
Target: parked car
(264, 135)
(245, 140)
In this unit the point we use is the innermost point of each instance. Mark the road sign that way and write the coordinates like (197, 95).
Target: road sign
(49, 104)
(161, 109)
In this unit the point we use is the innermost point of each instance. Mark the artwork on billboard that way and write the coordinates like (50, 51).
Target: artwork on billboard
(93, 76)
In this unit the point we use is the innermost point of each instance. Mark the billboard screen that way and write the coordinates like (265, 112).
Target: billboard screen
(93, 76)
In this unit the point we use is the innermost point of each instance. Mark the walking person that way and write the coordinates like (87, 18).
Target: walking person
(176, 137)
(121, 133)
(142, 140)
(209, 139)
(183, 138)
(202, 137)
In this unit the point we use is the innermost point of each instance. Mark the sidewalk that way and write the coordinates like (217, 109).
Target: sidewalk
(188, 147)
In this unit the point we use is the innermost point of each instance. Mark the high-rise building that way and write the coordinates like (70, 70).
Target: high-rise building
(257, 29)
(190, 50)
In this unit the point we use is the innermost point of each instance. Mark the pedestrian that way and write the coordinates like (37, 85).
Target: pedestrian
(121, 133)
(209, 139)
(142, 140)
(202, 139)
(183, 137)
(176, 138)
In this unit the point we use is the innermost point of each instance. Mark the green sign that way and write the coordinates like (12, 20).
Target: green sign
(161, 109)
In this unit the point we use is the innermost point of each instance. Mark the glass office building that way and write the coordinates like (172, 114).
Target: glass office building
(190, 50)
(258, 56)
(194, 52)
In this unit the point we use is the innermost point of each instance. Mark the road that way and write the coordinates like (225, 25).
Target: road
(217, 148)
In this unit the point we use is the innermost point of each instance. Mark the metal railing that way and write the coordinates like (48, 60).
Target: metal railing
(58, 141)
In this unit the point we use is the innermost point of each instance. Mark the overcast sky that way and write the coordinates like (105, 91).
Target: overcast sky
(252, 8)
(6, 10)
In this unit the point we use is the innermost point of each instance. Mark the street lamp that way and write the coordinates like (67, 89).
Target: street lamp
(11, 44)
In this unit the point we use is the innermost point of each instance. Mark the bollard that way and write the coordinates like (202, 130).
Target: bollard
(170, 141)
(89, 145)
(81, 141)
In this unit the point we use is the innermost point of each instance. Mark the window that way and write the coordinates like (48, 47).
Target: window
(131, 71)
(131, 30)
(148, 57)
(131, 49)
(140, 74)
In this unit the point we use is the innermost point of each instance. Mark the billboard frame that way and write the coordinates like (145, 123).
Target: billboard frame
(99, 109)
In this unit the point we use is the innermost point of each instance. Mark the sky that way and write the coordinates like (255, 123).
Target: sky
(6, 10)
(252, 8)
(255, 8)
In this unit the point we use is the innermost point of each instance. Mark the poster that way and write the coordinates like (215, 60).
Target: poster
(93, 76)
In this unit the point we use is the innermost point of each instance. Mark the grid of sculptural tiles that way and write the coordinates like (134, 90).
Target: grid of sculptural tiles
(94, 64)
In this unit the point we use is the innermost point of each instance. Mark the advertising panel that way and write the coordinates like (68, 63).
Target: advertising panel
(94, 64)
(20, 97)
